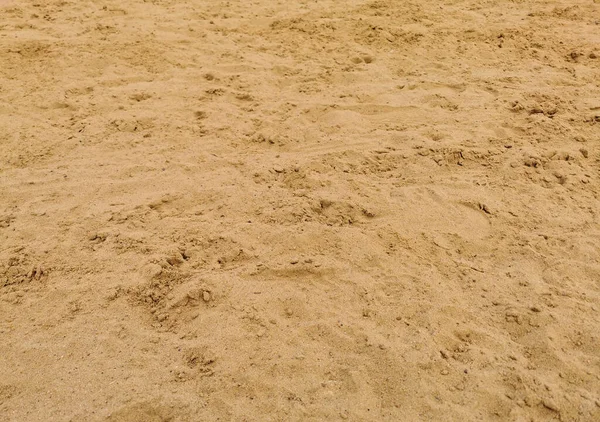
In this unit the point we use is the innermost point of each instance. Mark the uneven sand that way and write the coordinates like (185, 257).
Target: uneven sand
(299, 211)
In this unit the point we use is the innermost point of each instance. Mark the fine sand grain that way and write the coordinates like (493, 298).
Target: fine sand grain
(299, 210)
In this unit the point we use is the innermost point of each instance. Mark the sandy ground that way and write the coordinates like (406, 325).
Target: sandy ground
(299, 211)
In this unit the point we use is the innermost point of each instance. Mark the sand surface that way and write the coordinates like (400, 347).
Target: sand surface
(299, 210)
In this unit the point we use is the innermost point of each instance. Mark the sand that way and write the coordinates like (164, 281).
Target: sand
(299, 211)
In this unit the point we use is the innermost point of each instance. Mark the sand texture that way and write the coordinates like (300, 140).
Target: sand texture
(378, 210)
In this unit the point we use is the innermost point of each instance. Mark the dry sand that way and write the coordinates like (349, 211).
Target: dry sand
(299, 211)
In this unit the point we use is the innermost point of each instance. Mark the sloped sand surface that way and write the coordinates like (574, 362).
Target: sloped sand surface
(299, 211)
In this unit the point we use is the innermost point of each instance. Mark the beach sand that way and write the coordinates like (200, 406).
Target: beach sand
(299, 211)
